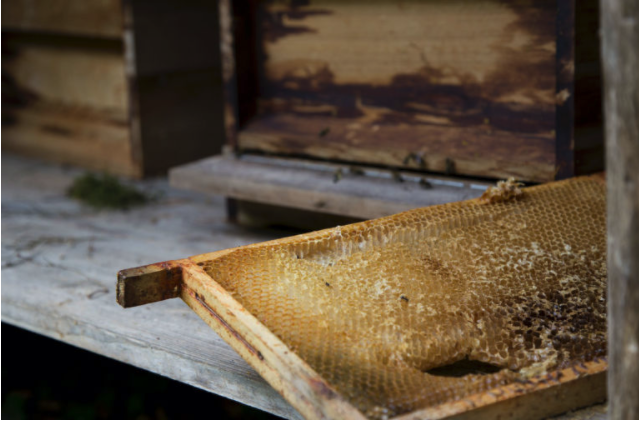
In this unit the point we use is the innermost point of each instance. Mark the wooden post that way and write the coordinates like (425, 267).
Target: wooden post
(620, 54)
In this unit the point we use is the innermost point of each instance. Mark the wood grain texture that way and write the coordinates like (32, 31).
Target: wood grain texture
(59, 262)
(95, 18)
(281, 182)
(473, 82)
(481, 88)
(498, 155)
(70, 135)
(65, 99)
(70, 71)
(620, 32)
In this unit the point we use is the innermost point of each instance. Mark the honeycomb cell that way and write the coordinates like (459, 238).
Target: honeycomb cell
(391, 311)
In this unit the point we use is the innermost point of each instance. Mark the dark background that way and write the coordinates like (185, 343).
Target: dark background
(46, 379)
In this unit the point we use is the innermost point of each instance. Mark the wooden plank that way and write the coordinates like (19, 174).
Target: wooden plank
(229, 69)
(96, 18)
(452, 150)
(620, 30)
(74, 72)
(65, 99)
(311, 186)
(565, 83)
(172, 135)
(70, 135)
(443, 79)
(169, 36)
(148, 284)
(59, 262)
(173, 58)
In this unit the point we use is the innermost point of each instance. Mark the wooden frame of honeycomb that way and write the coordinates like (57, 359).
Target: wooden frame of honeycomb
(367, 320)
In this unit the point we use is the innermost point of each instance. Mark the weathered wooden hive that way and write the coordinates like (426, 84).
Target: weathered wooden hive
(114, 85)
(490, 89)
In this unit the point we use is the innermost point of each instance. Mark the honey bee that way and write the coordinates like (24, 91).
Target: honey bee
(354, 170)
(450, 166)
(337, 176)
(424, 184)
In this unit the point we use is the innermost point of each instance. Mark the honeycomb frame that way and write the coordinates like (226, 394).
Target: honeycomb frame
(531, 387)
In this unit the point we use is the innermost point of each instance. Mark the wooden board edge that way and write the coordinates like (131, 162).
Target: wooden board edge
(543, 396)
(229, 76)
(565, 90)
(321, 187)
(286, 372)
(253, 141)
(149, 284)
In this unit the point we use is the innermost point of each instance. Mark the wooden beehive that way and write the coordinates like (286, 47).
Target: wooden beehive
(130, 87)
(472, 89)
(477, 88)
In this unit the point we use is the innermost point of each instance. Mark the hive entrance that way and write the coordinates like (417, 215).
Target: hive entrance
(463, 368)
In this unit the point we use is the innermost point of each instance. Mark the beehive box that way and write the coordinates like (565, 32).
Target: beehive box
(457, 89)
(130, 87)
(476, 88)
(493, 307)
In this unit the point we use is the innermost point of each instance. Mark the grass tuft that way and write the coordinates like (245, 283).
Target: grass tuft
(106, 192)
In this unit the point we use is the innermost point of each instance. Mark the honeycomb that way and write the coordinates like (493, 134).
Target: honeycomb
(510, 286)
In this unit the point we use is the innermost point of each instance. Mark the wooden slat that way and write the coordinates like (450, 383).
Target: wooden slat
(456, 150)
(173, 65)
(60, 259)
(97, 18)
(66, 99)
(72, 72)
(70, 135)
(170, 36)
(620, 30)
(312, 187)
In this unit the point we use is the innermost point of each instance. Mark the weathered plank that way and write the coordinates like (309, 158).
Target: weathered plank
(319, 187)
(96, 18)
(173, 67)
(471, 82)
(620, 30)
(65, 99)
(59, 264)
(66, 70)
(477, 88)
(443, 149)
(70, 135)
(155, 88)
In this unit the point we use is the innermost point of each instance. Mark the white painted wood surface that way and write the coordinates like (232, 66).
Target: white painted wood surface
(59, 264)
